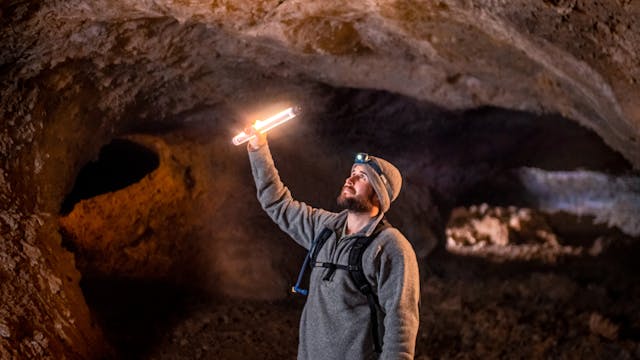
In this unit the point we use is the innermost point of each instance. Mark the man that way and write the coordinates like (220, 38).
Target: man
(337, 320)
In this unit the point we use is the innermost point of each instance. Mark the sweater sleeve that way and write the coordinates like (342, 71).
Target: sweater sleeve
(297, 219)
(398, 288)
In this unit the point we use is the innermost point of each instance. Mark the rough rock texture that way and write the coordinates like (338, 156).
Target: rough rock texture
(505, 234)
(186, 75)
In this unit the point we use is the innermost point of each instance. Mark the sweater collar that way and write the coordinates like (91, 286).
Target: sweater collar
(367, 230)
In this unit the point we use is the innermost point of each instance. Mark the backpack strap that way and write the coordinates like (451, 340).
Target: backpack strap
(318, 244)
(357, 274)
(311, 254)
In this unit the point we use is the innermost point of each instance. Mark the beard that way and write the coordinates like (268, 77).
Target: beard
(357, 203)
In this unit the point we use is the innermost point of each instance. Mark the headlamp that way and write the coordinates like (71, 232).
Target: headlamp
(364, 158)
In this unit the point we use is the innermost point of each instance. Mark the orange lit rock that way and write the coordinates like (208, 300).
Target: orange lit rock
(127, 232)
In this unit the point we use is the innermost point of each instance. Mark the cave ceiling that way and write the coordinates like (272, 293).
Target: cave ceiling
(154, 59)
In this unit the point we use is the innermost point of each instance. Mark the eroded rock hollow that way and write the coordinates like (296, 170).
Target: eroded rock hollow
(130, 227)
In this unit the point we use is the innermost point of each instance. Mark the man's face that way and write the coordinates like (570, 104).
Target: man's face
(357, 193)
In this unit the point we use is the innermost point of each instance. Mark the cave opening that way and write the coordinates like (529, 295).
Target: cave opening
(120, 163)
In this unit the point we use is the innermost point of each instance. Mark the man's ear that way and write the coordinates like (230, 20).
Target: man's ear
(375, 201)
(374, 198)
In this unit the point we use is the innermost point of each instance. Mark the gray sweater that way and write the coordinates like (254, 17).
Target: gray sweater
(335, 322)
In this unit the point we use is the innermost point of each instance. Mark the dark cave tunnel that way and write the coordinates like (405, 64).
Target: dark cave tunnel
(120, 163)
(466, 158)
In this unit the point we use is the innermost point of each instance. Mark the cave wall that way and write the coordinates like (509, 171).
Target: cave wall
(76, 74)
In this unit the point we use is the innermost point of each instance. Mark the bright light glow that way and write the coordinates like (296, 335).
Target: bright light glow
(265, 125)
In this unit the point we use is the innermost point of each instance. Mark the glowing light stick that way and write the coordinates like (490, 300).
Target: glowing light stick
(265, 125)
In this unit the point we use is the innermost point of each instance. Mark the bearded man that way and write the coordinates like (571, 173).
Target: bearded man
(364, 290)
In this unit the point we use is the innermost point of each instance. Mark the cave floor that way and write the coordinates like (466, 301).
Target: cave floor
(577, 308)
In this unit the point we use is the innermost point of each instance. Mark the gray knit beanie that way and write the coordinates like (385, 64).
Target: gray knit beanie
(386, 185)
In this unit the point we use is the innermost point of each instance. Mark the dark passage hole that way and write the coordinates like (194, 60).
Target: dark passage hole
(120, 164)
